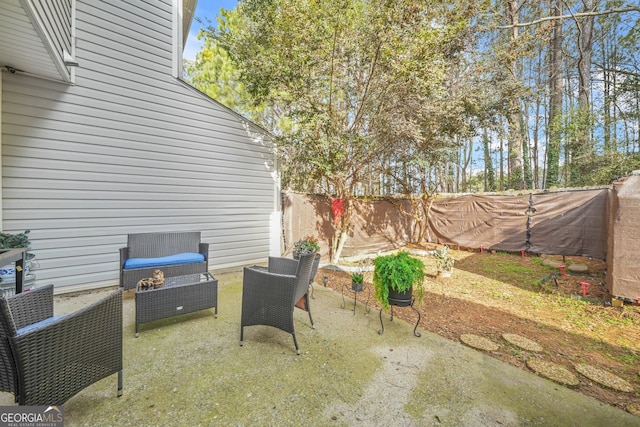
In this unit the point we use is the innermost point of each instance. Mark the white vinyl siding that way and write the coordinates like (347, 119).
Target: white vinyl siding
(55, 16)
(128, 149)
(34, 35)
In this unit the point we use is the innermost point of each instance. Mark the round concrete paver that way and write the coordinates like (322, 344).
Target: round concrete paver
(522, 342)
(551, 263)
(578, 268)
(478, 342)
(634, 408)
(604, 378)
(553, 372)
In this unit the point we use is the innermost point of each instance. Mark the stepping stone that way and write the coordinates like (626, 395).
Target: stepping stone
(479, 342)
(551, 263)
(522, 342)
(604, 378)
(634, 408)
(578, 268)
(553, 372)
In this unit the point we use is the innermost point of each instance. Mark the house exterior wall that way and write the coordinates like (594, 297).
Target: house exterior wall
(128, 149)
(55, 16)
(29, 43)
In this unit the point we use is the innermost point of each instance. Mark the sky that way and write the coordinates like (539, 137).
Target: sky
(205, 10)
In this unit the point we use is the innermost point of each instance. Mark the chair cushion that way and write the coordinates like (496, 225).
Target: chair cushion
(184, 258)
(38, 324)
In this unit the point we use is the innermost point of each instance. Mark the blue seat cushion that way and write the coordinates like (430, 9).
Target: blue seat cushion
(184, 258)
(38, 324)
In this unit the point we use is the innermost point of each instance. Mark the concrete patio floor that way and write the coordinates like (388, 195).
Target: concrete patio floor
(191, 370)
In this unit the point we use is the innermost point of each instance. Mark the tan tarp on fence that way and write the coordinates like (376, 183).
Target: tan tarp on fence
(568, 223)
(623, 267)
(377, 225)
(563, 223)
(595, 223)
(493, 222)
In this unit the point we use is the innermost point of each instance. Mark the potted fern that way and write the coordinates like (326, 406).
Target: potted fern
(394, 278)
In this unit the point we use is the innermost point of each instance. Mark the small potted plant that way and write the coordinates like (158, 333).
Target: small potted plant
(11, 241)
(305, 246)
(357, 280)
(444, 262)
(394, 278)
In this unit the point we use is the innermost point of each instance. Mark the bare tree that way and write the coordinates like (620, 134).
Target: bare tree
(555, 98)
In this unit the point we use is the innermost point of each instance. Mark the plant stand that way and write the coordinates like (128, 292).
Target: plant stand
(355, 299)
(401, 303)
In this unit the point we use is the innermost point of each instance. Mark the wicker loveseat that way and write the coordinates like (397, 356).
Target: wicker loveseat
(175, 253)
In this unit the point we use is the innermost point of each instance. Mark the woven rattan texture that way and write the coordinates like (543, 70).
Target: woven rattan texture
(53, 362)
(179, 295)
(154, 245)
(270, 297)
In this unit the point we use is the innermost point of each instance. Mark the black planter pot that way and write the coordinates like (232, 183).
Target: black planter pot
(356, 286)
(400, 299)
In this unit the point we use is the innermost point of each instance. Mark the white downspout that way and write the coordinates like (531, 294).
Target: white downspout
(275, 226)
(176, 49)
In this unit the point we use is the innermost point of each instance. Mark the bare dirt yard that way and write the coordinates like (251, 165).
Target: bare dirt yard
(491, 294)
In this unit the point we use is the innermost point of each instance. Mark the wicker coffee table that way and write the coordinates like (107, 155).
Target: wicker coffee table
(179, 295)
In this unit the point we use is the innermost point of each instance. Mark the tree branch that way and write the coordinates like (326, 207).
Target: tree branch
(572, 16)
(333, 55)
(374, 62)
(617, 70)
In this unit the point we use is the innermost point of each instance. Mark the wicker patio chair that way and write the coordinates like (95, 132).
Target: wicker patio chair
(270, 296)
(45, 360)
(314, 269)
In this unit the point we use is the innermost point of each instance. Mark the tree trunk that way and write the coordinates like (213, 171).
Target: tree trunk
(489, 174)
(536, 137)
(501, 162)
(341, 232)
(527, 179)
(514, 145)
(467, 154)
(555, 99)
(608, 149)
(582, 153)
